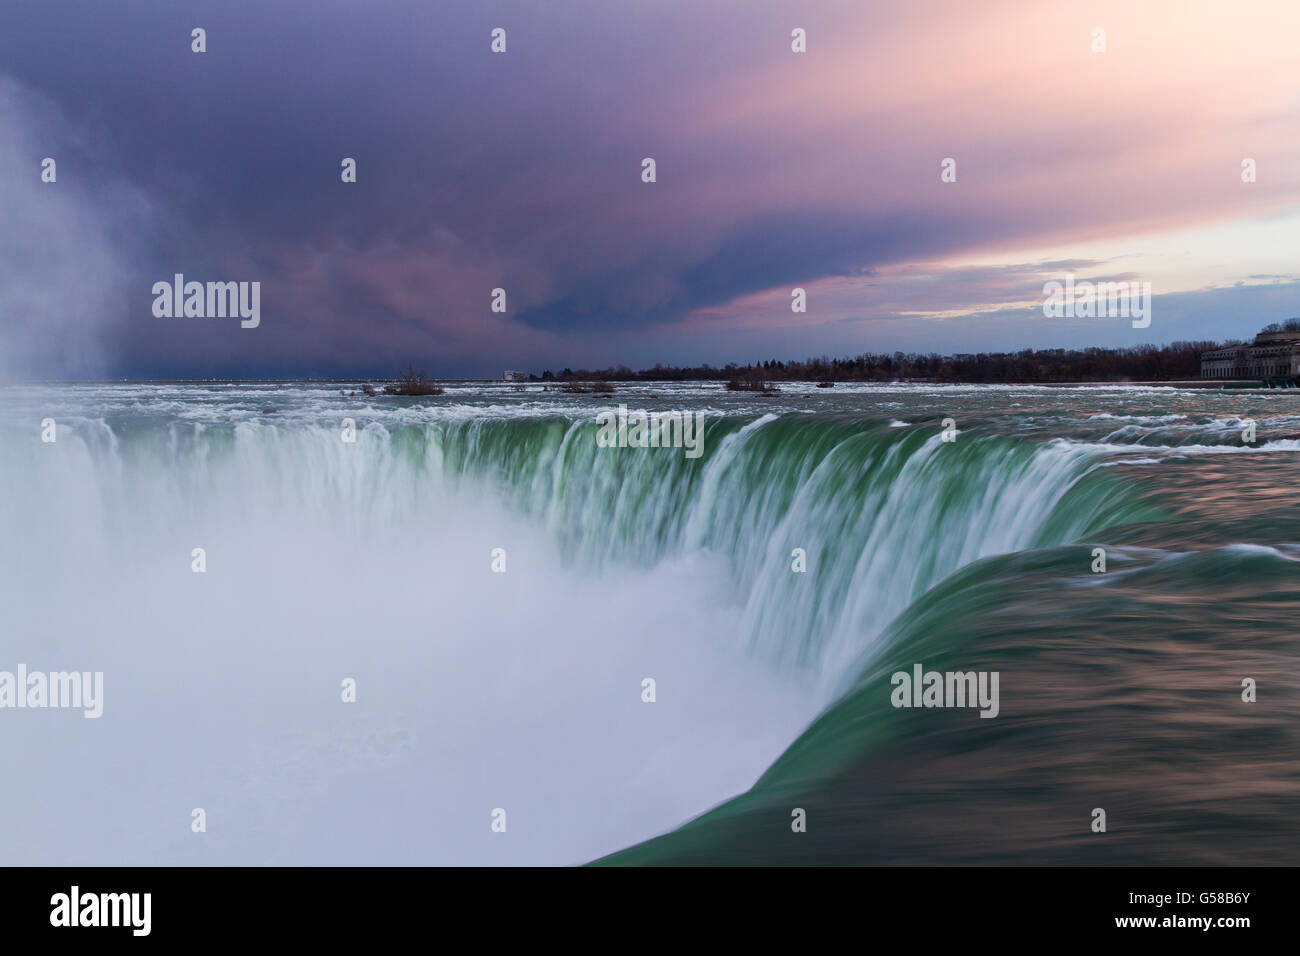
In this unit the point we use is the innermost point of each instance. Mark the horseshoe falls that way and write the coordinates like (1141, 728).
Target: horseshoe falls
(460, 630)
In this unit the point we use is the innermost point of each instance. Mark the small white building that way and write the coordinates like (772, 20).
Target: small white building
(510, 376)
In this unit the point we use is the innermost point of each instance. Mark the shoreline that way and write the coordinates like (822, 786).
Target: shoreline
(1205, 384)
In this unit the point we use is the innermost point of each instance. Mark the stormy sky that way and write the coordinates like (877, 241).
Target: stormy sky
(522, 170)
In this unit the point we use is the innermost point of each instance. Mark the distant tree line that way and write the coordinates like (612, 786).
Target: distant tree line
(1179, 360)
(1290, 325)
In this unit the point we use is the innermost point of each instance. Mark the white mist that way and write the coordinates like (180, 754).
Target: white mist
(327, 561)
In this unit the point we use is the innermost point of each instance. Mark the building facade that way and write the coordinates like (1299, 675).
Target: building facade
(1273, 356)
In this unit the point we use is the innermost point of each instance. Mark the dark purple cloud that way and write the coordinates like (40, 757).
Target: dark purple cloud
(522, 170)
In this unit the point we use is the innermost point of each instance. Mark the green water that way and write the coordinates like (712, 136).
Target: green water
(850, 534)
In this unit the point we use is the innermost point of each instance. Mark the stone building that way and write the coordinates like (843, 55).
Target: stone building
(1273, 356)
